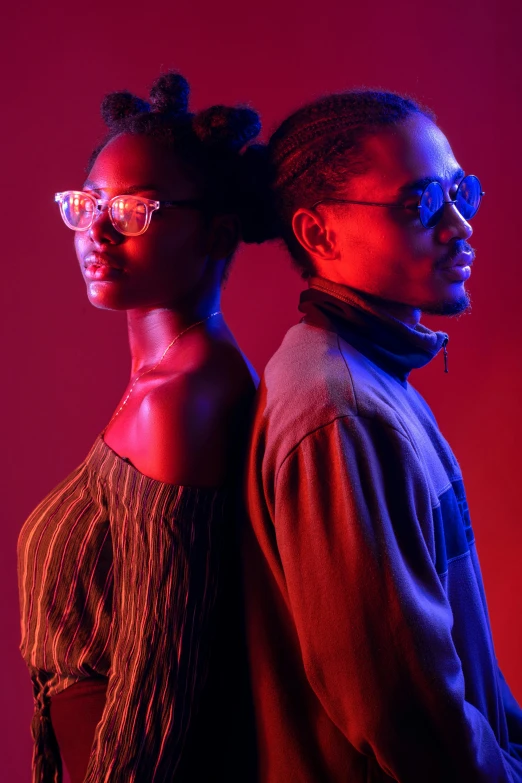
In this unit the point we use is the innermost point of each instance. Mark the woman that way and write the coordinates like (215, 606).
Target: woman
(120, 597)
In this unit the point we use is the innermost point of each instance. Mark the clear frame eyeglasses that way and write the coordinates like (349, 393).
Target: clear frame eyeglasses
(130, 215)
(431, 202)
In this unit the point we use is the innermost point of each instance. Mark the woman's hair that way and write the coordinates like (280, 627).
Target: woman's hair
(311, 156)
(208, 144)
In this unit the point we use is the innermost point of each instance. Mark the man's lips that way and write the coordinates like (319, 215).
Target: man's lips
(458, 268)
(464, 258)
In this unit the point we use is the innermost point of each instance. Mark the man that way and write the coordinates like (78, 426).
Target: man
(371, 649)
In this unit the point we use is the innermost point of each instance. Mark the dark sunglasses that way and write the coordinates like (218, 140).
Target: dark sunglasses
(431, 203)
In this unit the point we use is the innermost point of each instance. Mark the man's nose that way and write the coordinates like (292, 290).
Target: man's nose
(453, 225)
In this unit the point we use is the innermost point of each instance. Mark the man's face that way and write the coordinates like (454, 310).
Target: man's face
(387, 252)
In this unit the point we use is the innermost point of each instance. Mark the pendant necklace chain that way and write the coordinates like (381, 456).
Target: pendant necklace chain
(151, 369)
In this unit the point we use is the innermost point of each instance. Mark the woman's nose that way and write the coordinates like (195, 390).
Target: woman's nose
(102, 231)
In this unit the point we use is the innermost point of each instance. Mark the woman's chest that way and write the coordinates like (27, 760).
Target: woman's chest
(66, 541)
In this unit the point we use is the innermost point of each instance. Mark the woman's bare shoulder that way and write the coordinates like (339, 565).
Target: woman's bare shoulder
(186, 423)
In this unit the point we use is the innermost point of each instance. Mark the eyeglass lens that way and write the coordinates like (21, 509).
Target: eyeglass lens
(467, 201)
(77, 210)
(129, 215)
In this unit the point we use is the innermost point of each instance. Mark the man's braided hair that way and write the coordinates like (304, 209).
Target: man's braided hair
(314, 153)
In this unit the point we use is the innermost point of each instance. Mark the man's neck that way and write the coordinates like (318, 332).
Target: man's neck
(401, 312)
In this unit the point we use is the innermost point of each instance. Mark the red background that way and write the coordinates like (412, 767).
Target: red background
(65, 364)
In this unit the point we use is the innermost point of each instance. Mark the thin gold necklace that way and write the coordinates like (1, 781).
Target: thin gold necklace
(151, 369)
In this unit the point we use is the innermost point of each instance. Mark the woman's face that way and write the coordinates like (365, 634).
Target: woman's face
(176, 256)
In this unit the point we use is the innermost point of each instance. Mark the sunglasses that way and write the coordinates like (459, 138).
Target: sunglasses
(431, 203)
(130, 215)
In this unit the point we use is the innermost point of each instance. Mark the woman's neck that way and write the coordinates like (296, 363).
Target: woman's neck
(152, 329)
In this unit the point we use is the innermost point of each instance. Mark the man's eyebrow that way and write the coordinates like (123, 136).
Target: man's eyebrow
(88, 185)
(420, 184)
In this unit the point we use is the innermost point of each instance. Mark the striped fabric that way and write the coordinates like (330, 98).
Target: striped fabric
(118, 579)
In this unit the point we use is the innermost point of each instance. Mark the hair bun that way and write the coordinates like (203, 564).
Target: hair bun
(259, 221)
(118, 105)
(227, 127)
(170, 94)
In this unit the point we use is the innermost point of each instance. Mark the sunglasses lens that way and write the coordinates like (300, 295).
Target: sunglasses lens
(129, 215)
(77, 210)
(431, 205)
(469, 195)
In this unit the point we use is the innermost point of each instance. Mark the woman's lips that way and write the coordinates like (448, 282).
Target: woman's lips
(98, 268)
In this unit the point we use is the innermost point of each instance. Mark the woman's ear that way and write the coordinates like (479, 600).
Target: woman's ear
(224, 237)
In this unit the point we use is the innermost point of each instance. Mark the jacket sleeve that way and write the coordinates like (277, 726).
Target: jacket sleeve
(166, 556)
(514, 717)
(353, 521)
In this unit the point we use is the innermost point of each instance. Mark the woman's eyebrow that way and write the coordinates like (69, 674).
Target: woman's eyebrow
(420, 184)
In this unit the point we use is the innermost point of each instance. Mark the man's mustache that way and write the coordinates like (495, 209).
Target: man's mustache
(460, 246)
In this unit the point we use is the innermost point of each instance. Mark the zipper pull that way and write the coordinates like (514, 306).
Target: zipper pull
(444, 344)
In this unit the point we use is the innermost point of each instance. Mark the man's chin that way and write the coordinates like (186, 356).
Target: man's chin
(456, 306)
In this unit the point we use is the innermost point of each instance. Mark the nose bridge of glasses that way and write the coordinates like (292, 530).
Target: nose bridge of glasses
(453, 222)
(101, 212)
(100, 204)
(102, 209)
(459, 213)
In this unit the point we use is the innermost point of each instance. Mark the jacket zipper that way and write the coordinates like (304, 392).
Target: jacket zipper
(444, 344)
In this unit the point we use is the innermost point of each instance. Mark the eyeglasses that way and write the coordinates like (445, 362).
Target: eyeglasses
(130, 215)
(431, 203)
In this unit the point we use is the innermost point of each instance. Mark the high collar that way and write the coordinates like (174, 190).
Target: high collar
(391, 344)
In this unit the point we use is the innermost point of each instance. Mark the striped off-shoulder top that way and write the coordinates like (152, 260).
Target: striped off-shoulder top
(118, 577)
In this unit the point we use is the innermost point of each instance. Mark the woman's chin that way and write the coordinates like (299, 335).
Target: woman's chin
(105, 297)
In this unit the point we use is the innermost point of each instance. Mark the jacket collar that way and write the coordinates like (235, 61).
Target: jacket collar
(391, 344)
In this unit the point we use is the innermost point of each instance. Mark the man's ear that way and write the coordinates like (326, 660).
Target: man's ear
(316, 235)
(224, 237)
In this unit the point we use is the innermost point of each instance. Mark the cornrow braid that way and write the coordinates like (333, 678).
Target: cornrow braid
(315, 151)
(209, 144)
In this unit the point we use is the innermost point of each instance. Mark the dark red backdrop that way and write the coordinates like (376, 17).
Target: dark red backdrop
(65, 364)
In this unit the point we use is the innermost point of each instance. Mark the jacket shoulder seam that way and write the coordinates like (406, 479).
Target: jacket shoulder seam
(349, 374)
(326, 424)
